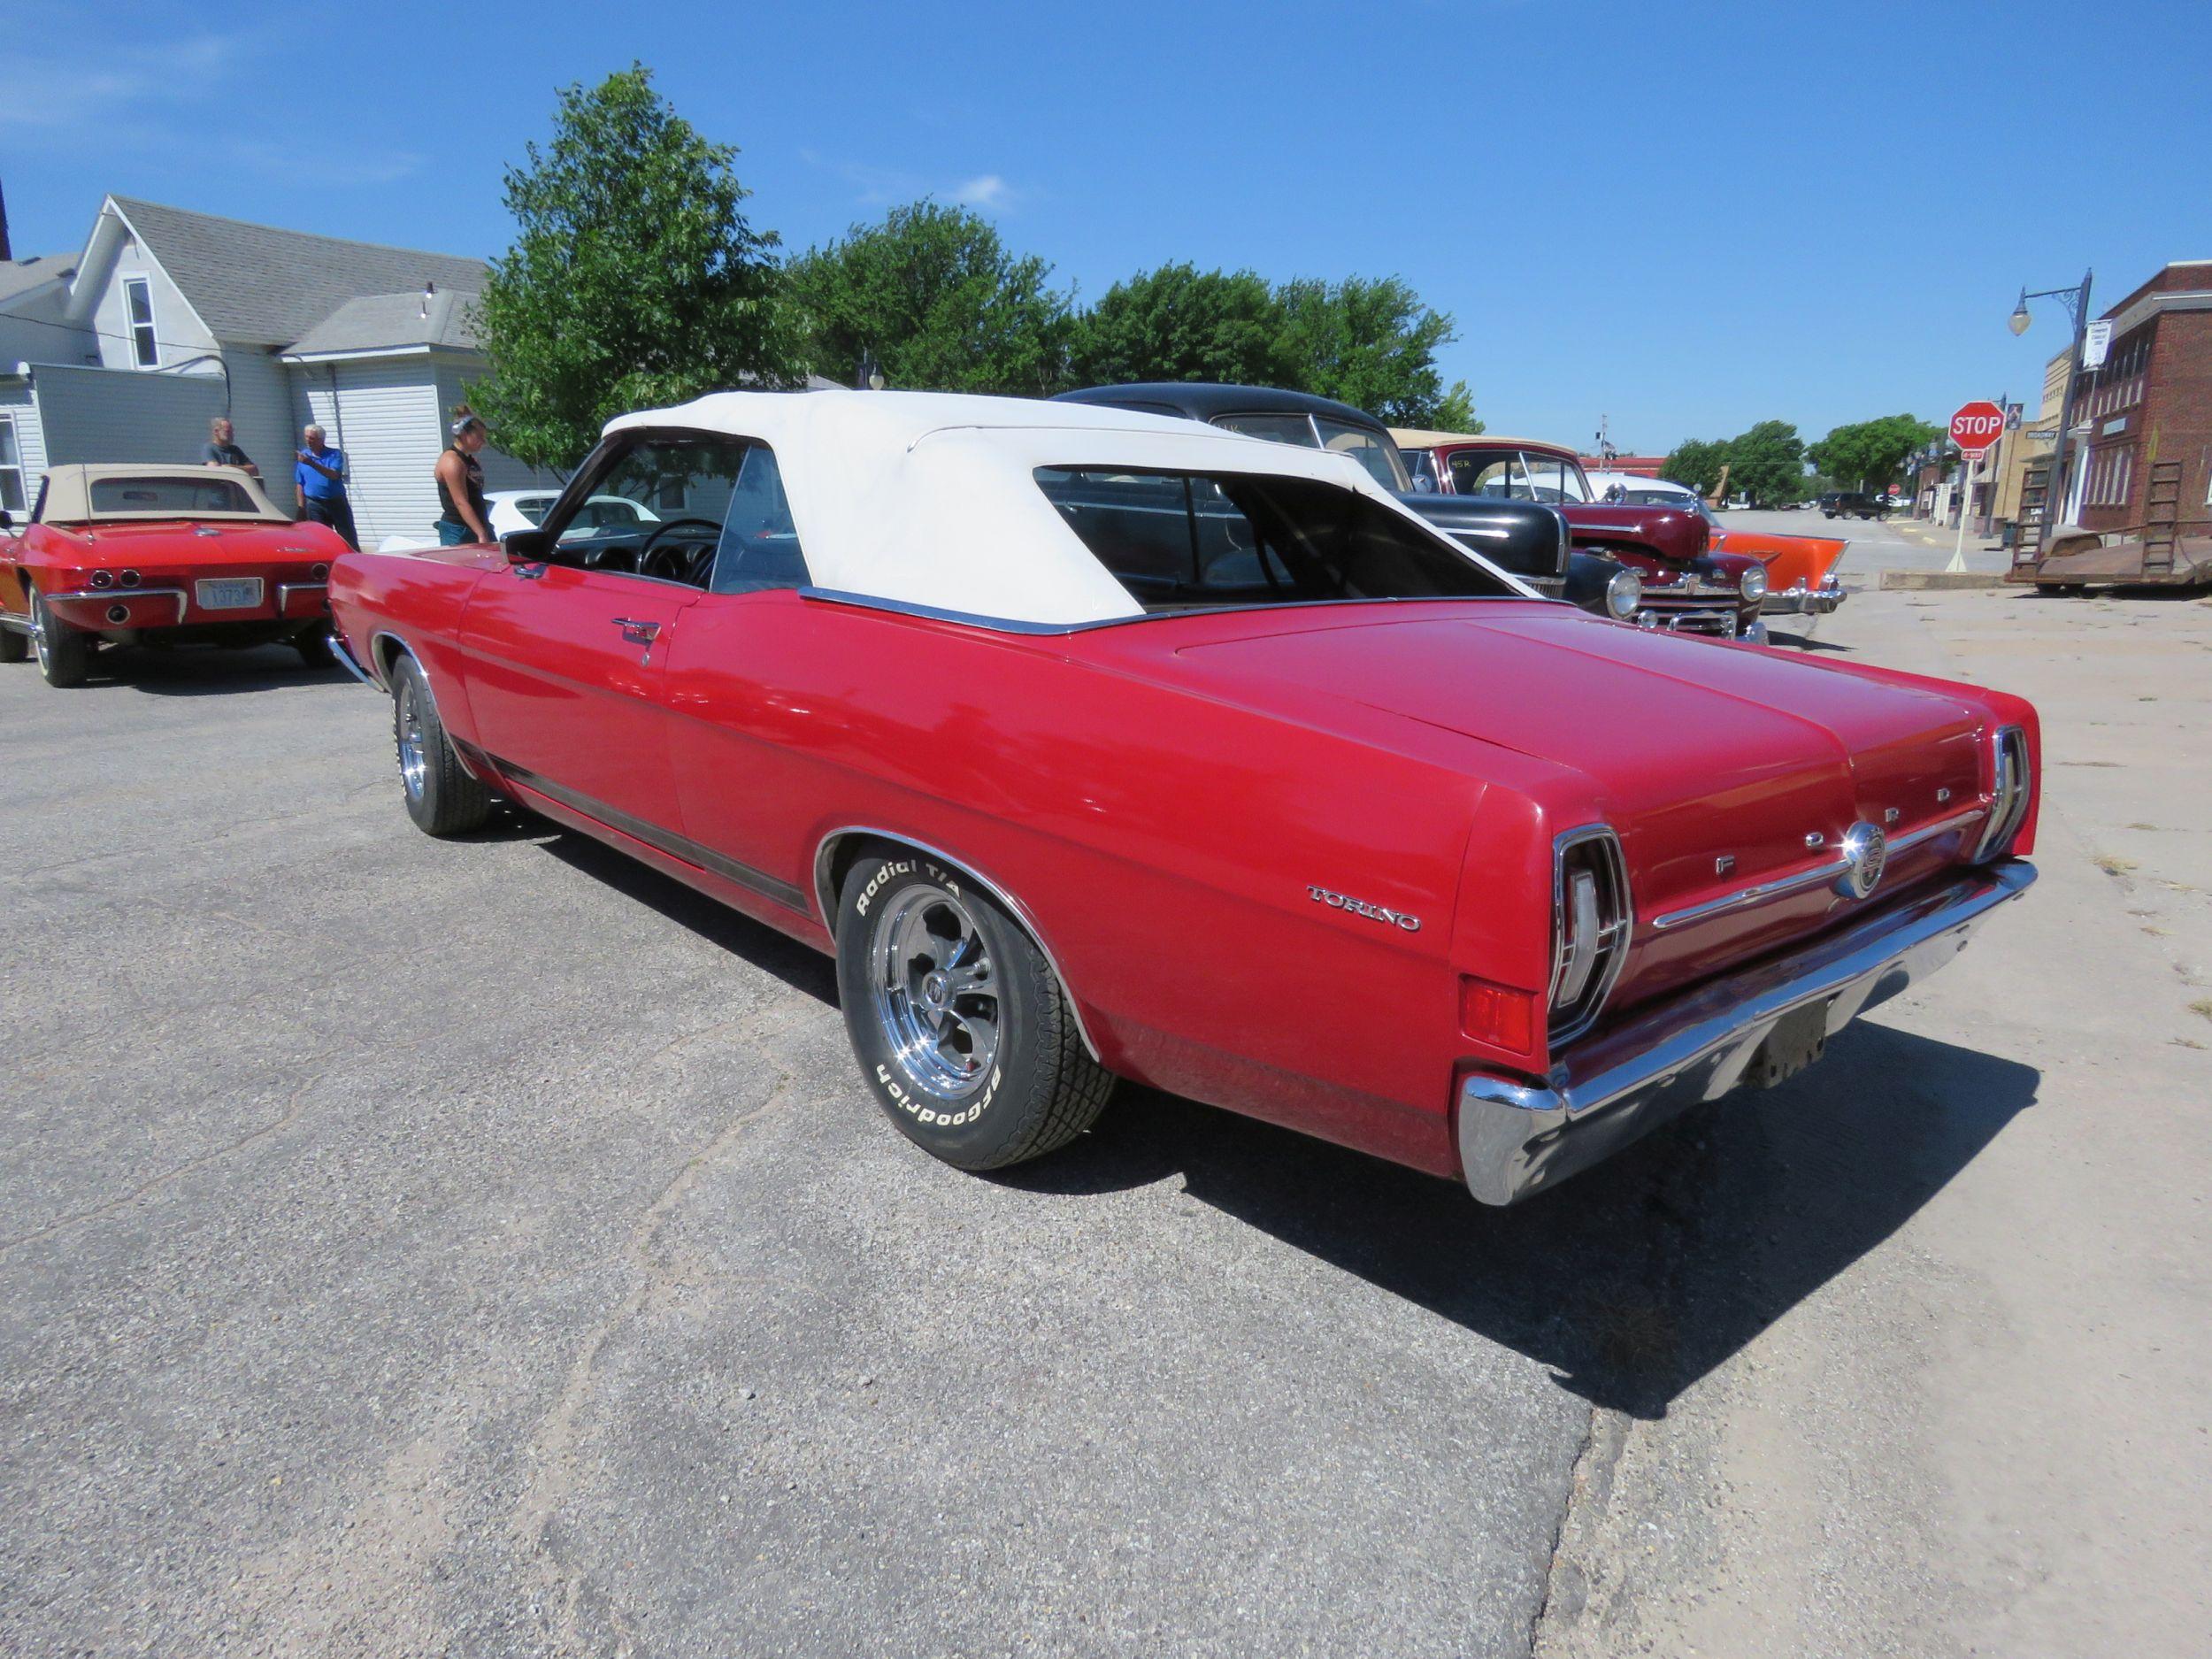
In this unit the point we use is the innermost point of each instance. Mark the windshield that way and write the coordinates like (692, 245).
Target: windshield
(1180, 540)
(1372, 449)
(1522, 474)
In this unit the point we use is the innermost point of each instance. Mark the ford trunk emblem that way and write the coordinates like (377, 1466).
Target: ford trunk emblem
(1865, 851)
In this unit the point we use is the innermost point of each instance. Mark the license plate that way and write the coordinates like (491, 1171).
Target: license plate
(230, 594)
(1797, 1039)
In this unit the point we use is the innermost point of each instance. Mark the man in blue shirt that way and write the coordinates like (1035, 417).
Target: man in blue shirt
(320, 474)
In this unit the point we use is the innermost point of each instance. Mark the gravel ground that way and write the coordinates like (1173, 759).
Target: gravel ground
(486, 1248)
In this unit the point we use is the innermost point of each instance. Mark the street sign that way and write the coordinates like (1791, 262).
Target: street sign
(2096, 343)
(1977, 426)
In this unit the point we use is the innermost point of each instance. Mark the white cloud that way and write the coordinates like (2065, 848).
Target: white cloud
(888, 186)
(132, 84)
(985, 190)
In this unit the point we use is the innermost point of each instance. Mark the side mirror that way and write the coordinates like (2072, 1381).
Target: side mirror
(527, 547)
(7, 520)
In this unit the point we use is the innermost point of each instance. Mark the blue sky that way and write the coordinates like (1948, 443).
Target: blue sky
(1686, 218)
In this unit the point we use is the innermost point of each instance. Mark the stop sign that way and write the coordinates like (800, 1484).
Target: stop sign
(1977, 426)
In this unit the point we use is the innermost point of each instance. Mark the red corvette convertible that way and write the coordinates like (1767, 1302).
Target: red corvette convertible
(1098, 745)
(159, 555)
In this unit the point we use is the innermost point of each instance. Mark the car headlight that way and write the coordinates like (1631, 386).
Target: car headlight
(1754, 582)
(1624, 594)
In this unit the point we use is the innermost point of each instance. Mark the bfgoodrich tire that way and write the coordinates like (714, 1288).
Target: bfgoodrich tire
(962, 1028)
(442, 797)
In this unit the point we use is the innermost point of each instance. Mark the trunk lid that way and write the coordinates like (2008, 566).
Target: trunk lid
(1714, 762)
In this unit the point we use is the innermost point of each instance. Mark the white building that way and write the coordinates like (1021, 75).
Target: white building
(168, 318)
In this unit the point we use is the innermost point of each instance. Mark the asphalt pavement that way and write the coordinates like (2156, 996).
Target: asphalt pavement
(486, 1248)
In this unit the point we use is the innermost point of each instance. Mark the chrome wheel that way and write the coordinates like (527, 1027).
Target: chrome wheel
(935, 997)
(38, 635)
(412, 749)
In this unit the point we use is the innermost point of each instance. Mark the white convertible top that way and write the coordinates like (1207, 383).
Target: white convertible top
(927, 498)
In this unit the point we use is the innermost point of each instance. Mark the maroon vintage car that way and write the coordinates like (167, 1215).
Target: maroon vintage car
(1097, 745)
(159, 555)
(1688, 587)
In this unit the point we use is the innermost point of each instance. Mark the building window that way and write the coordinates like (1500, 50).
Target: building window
(138, 301)
(10, 466)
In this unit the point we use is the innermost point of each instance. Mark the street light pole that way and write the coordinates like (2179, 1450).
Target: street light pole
(2077, 303)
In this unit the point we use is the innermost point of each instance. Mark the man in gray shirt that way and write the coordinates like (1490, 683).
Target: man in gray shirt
(223, 450)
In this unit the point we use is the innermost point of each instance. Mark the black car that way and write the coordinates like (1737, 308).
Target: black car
(1842, 503)
(1527, 538)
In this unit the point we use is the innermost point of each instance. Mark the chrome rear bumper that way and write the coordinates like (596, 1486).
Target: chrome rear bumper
(1801, 602)
(1515, 1139)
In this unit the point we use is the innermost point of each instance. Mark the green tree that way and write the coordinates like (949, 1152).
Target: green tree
(1179, 323)
(634, 279)
(1369, 342)
(1867, 454)
(934, 295)
(1767, 464)
(1456, 411)
(1696, 463)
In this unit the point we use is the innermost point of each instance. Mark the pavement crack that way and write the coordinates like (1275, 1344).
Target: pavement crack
(553, 1447)
(283, 1120)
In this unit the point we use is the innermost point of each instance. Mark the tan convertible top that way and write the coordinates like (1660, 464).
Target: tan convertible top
(69, 492)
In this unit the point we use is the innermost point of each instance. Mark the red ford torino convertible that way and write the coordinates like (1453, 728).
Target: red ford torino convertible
(1097, 745)
(160, 555)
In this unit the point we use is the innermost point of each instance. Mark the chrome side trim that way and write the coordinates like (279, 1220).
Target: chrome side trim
(120, 596)
(1517, 1136)
(825, 901)
(338, 650)
(1760, 892)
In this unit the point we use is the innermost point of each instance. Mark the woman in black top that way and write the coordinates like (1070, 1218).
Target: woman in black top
(462, 515)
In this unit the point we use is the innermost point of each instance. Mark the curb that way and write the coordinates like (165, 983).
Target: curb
(1941, 581)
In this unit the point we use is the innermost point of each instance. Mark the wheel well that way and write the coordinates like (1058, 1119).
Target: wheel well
(841, 849)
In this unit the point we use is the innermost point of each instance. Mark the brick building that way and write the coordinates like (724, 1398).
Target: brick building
(2150, 402)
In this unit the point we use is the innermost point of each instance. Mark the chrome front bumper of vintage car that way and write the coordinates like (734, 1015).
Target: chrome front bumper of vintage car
(1515, 1139)
(1804, 602)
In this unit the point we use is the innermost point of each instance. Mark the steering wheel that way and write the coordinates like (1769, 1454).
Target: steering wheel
(680, 566)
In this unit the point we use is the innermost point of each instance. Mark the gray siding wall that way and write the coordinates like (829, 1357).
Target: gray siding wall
(384, 414)
(261, 410)
(19, 401)
(96, 415)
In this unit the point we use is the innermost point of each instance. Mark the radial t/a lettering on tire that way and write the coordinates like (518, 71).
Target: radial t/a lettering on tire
(962, 1028)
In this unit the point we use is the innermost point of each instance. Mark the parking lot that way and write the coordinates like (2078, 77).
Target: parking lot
(487, 1248)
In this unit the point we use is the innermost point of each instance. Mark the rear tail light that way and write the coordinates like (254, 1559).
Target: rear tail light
(2010, 786)
(1592, 919)
(130, 578)
(321, 573)
(103, 578)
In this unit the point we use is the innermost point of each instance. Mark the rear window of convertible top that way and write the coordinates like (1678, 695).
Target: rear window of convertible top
(1178, 540)
(182, 496)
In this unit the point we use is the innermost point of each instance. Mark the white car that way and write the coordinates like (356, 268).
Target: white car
(512, 509)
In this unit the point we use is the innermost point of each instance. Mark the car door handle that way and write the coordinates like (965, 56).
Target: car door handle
(636, 632)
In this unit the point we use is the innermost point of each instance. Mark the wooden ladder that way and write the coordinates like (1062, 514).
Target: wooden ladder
(2162, 510)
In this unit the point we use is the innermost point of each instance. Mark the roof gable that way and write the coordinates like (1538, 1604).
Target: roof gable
(256, 285)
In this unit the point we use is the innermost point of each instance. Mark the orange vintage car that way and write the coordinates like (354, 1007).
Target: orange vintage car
(1800, 579)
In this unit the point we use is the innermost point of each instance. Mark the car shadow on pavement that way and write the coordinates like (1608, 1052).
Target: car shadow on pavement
(1636, 1278)
(1629, 1282)
(192, 671)
(797, 965)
